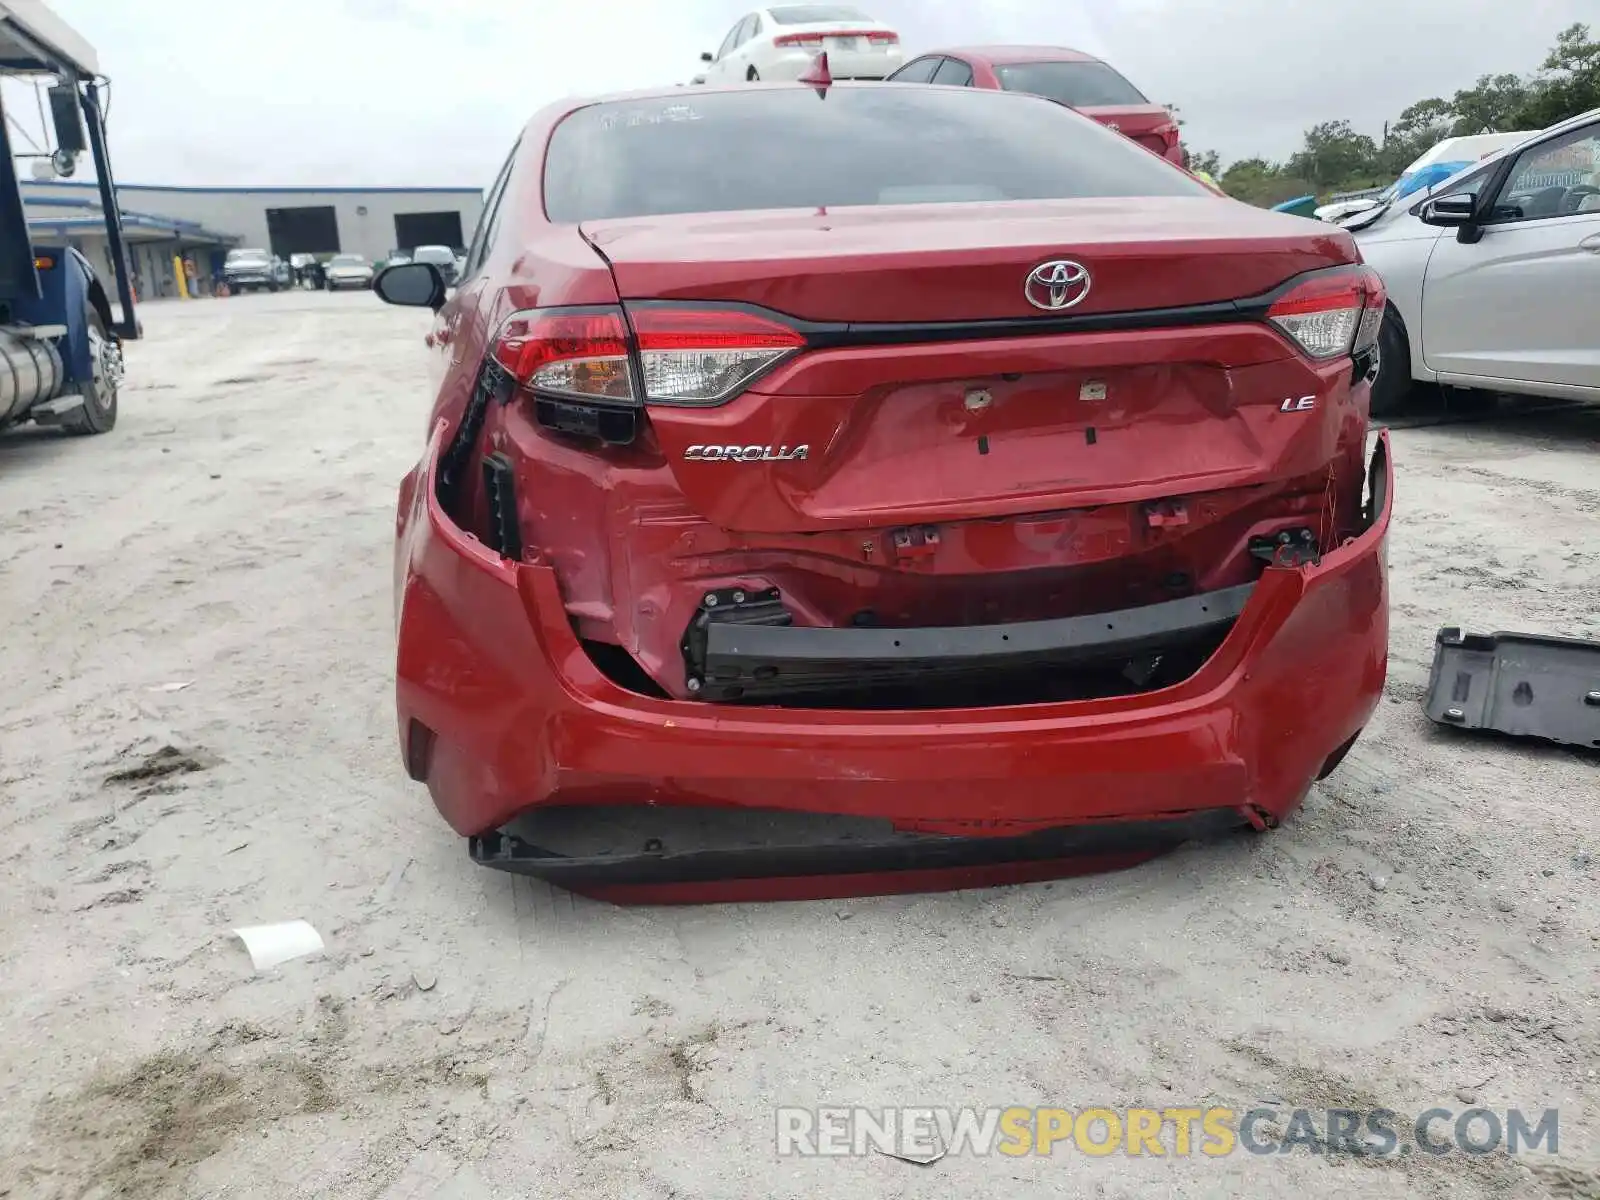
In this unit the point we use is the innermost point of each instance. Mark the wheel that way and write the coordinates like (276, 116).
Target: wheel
(272, 287)
(1391, 386)
(98, 413)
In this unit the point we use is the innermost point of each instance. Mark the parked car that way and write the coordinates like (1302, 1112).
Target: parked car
(780, 43)
(440, 256)
(253, 270)
(347, 271)
(1068, 77)
(792, 522)
(1493, 277)
(1437, 164)
(303, 269)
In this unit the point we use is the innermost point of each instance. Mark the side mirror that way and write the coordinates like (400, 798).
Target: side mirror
(707, 56)
(411, 285)
(67, 118)
(1450, 212)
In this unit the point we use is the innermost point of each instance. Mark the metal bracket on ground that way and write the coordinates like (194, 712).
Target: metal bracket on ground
(1521, 684)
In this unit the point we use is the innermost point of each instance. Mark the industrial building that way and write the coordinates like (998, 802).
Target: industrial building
(160, 222)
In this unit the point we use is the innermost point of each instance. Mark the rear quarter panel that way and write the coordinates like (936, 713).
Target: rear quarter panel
(531, 263)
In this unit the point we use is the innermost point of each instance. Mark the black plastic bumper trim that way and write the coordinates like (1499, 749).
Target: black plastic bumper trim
(901, 852)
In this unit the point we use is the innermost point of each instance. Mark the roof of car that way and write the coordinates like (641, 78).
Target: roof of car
(1017, 54)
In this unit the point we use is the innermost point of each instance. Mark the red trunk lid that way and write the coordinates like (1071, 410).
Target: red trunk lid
(967, 262)
(1148, 124)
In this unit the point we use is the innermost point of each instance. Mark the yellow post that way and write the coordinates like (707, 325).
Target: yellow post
(183, 281)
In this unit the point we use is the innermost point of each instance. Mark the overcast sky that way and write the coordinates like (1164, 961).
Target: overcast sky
(433, 91)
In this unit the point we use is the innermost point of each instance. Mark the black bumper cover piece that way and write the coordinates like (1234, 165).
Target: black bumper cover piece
(756, 661)
(1521, 684)
(850, 856)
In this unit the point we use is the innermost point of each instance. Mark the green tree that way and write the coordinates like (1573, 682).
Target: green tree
(1208, 161)
(1569, 82)
(1257, 181)
(1417, 129)
(1335, 153)
(1495, 104)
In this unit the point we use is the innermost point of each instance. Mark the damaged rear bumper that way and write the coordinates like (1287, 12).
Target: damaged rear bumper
(502, 713)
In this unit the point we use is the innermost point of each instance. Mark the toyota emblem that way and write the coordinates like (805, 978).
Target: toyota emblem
(1056, 285)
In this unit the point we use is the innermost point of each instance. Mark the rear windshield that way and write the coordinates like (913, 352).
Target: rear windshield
(811, 14)
(1080, 84)
(867, 145)
(433, 254)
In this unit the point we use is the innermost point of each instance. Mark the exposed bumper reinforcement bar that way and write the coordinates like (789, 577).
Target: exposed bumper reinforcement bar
(757, 661)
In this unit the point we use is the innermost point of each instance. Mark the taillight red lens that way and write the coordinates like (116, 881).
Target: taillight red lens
(1372, 318)
(1324, 313)
(688, 355)
(568, 352)
(706, 356)
(710, 329)
(813, 41)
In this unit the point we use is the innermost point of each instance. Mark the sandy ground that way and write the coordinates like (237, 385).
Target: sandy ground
(1426, 932)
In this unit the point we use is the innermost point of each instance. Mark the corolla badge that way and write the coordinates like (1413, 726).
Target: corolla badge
(746, 454)
(1057, 285)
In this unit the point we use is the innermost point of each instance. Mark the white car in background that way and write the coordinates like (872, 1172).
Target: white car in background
(1439, 163)
(781, 42)
(1494, 275)
(347, 271)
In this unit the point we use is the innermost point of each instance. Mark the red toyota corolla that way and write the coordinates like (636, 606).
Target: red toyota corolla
(1070, 77)
(903, 486)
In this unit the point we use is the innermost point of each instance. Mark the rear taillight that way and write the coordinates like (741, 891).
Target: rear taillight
(813, 41)
(706, 356)
(577, 353)
(685, 355)
(1328, 315)
(1372, 316)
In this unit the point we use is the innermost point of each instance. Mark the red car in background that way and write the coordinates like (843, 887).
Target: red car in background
(985, 496)
(1069, 77)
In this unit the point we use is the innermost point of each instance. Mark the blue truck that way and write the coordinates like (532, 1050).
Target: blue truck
(60, 337)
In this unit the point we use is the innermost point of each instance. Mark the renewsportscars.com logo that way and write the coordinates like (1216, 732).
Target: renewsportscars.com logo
(927, 1134)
